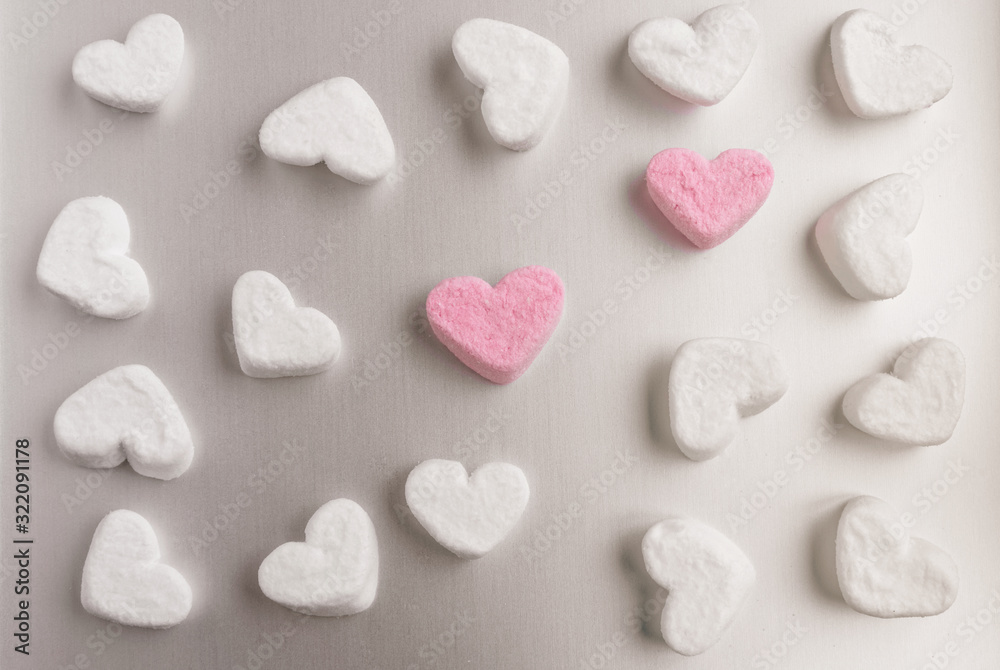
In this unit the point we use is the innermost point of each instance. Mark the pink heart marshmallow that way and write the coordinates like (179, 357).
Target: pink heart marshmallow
(497, 330)
(709, 201)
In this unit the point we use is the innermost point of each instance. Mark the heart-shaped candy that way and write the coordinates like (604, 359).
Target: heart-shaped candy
(863, 237)
(123, 579)
(138, 75)
(709, 201)
(878, 77)
(467, 515)
(523, 76)
(83, 260)
(702, 62)
(334, 572)
(713, 383)
(125, 413)
(273, 337)
(707, 578)
(919, 403)
(497, 331)
(335, 121)
(883, 572)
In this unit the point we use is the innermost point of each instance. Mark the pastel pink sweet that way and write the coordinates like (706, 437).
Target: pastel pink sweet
(708, 201)
(497, 330)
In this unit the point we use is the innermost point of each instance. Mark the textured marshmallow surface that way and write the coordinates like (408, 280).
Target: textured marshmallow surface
(124, 580)
(138, 75)
(863, 237)
(702, 62)
(125, 413)
(708, 201)
(707, 578)
(713, 383)
(523, 76)
(334, 121)
(334, 572)
(83, 260)
(919, 403)
(497, 331)
(467, 515)
(878, 77)
(883, 572)
(274, 338)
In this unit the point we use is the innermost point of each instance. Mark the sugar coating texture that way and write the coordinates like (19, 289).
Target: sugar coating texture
(919, 403)
(136, 75)
(334, 572)
(707, 576)
(335, 121)
(84, 260)
(273, 337)
(878, 77)
(124, 413)
(863, 237)
(497, 331)
(702, 62)
(708, 202)
(468, 516)
(713, 383)
(524, 78)
(124, 580)
(886, 573)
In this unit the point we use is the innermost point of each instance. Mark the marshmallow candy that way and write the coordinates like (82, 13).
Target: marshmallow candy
(713, 383)
(274, 338)
(334, 572)
(919, 403)
(702, 62)
(138, 75)
(863, 237)
(83, 260)
(878, 77)
(497, 331)
(334, 121)
(125, 413)
(523, 76)
(708, 202)
(707, 576)
(467, 515)
(123, 579)
(883, 572)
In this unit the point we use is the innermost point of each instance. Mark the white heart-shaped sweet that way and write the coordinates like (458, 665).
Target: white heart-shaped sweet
(123, 579)
(128, 413)
(334, 572)
(863, 237)
(877, 76)
(702, 62)
(524, 78)
(707, 578)
(138, 75)
(883, 572)
(273, 337)
(713, 383)
(335, 121)
(919, 403)
(84, 261)
(467, 515)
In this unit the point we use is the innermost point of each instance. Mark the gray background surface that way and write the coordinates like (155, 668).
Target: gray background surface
(568, 417)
